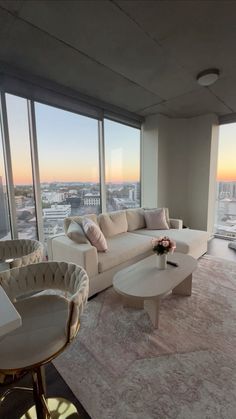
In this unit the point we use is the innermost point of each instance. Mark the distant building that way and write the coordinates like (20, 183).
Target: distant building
(4, 226)
(57, 212)
(50, 229)
(131, 194)
(121, 203)
(20, 201)
(51, 197)
(74, 201)
(91, 199)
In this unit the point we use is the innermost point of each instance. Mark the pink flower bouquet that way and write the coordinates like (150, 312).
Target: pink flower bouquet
(162, 245)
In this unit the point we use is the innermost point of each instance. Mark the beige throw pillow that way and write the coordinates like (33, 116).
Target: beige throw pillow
(156, 219)
(94, 234)
(76, 233)
(79, 220)
(166, 212)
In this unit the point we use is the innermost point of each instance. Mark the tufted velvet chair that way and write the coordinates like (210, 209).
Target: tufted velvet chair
(50, 320)
(22, 251)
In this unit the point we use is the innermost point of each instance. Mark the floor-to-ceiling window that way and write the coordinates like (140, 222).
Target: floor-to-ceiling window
(225, 217)
(79, 167)
(69, 165)
(18, 126)
(122, 166)
(5, 231)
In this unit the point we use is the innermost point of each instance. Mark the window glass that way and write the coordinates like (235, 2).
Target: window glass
(21, 166)
(69, 165)
(5, 231)
(122, 166)
(225, 217)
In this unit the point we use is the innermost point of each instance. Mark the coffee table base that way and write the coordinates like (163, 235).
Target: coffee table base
(152, 305)
(184, 288)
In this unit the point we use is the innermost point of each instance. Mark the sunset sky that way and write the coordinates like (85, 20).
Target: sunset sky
(227, 153)
(68, 146)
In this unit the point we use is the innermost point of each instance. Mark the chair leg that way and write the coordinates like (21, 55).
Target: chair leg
(39, 396)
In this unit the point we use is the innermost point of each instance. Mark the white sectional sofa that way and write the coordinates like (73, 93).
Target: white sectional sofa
(128, 241)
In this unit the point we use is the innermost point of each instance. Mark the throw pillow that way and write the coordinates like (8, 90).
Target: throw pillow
(166, 212)
(156, 219)
(76, 233)
(95, 235)
(79, 220)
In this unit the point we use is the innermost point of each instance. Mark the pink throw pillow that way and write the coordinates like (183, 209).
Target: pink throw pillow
(94, 234)
(156, 219)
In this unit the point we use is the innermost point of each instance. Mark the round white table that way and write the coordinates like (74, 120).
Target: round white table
(142, 284)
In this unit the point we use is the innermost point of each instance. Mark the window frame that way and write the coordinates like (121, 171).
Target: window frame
(35, 159)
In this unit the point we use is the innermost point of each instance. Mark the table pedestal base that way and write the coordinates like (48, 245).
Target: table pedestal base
(184, 288)
(152, 305)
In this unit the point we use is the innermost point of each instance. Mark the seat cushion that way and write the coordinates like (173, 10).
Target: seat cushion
(187, 240)
(42, 334)
(122, 248)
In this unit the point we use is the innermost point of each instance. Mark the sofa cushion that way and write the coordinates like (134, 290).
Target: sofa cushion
(76, 233)
(156, 219)
(166, 212)
(95, 235)
(79, 219)
(113, 223)
(187, 240)
(122, 248)
(135, 219)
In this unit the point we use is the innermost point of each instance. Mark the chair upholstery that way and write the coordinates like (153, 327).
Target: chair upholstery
(23, 252)
(49, 320)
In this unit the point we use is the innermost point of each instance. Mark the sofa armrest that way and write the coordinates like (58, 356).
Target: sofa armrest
(177, 224)
(61, 248)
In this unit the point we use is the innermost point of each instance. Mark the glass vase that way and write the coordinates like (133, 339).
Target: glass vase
(161, 261)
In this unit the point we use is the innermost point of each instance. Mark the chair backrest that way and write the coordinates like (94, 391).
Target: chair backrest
(23, 251)
(67, 277)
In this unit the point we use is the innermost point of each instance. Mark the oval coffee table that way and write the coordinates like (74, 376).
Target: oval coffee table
(142, 284)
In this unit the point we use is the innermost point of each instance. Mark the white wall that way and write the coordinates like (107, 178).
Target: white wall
(149, 147)
(184, 167)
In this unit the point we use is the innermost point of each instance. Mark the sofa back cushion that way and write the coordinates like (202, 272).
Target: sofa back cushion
(76, 233)
(95, 235)
(135, 219)
(113, 223)
(156, 219)
(79, 220)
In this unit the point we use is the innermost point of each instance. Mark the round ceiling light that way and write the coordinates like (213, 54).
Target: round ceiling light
(208, 77)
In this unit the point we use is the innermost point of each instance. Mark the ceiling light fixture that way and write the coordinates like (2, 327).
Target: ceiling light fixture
(208, 77)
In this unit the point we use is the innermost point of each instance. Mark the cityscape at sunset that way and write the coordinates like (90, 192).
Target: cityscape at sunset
(227, 152)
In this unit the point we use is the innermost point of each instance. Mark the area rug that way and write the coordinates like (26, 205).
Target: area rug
(120, 367)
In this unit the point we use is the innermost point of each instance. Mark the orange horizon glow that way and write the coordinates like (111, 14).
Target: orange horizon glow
(226, 170)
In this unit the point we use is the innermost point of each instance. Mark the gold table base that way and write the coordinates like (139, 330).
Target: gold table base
(59, 409)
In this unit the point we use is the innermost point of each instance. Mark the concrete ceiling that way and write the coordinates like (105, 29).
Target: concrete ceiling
(141, 55)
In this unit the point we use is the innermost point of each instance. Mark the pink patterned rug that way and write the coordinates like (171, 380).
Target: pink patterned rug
(120, 367)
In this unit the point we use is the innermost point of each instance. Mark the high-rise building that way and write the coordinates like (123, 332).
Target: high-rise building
(4, 226)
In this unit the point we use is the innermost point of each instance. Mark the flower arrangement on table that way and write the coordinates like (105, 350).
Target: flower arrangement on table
(163, 245)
